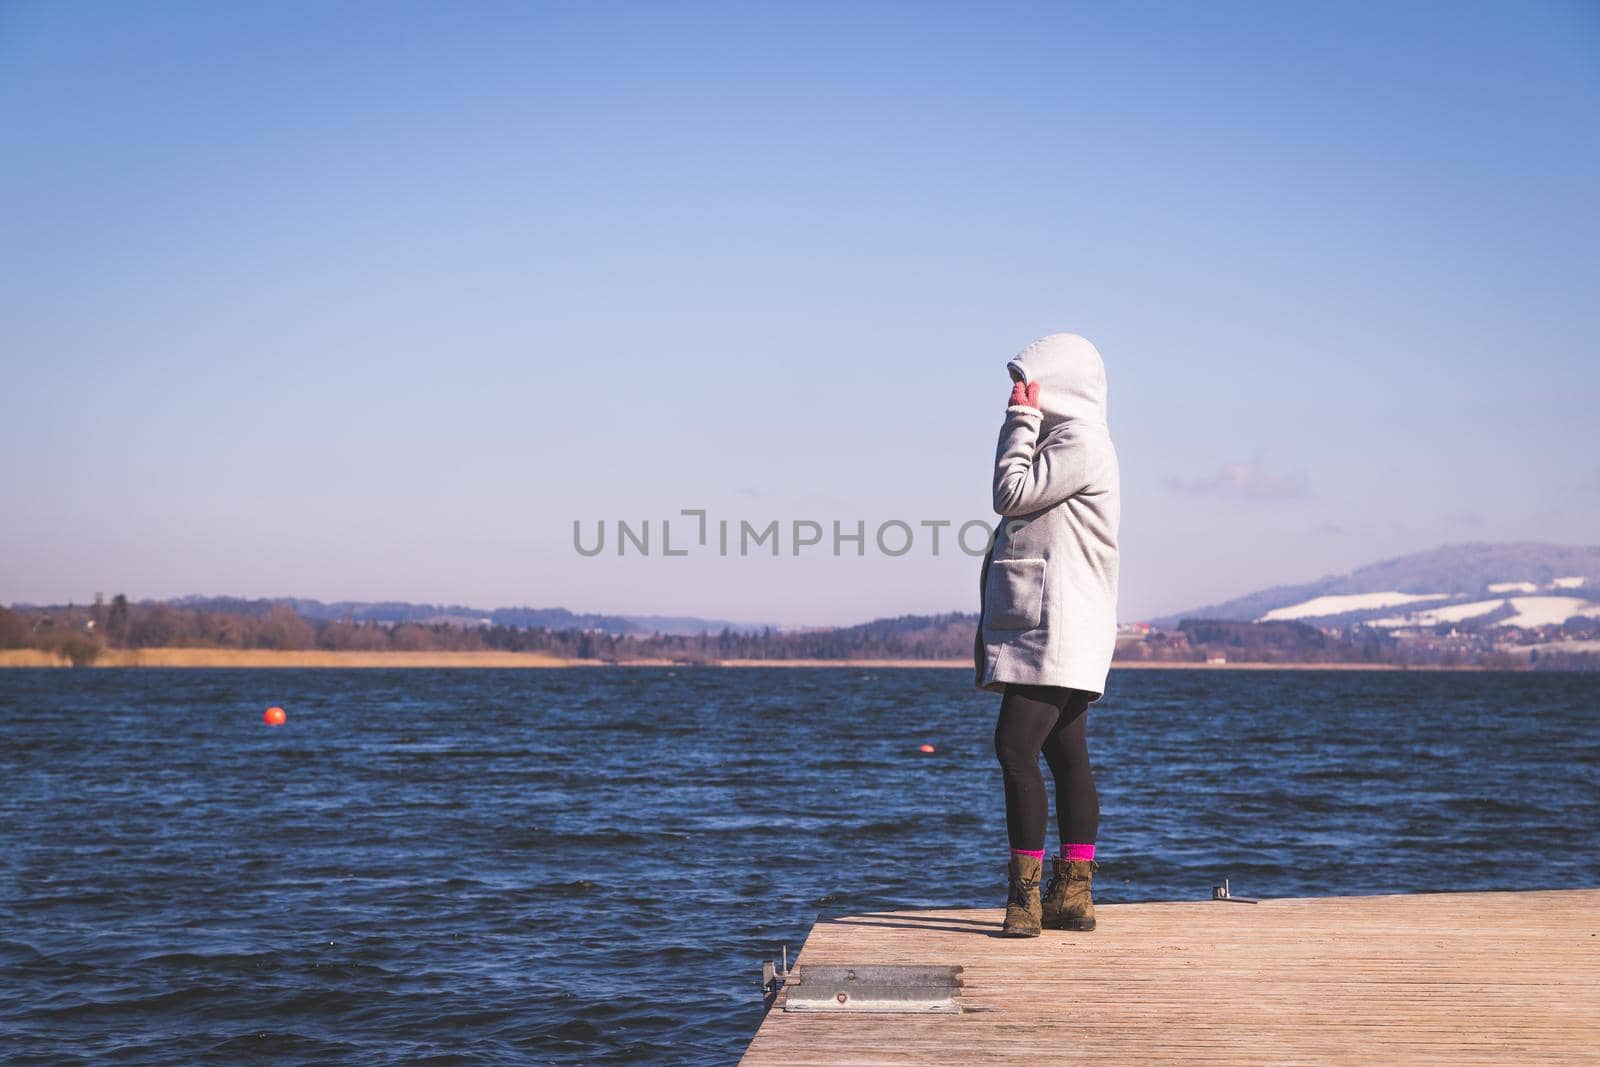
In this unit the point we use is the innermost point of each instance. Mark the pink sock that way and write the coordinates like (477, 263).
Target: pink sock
(1074, 853)
(1039, 855)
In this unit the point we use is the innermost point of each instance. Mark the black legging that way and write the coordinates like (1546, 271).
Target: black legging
(1039, 718)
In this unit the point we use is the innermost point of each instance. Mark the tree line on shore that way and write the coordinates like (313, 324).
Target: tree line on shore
(82, 633)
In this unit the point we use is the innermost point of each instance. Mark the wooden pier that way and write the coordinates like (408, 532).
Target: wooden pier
(1509, 977)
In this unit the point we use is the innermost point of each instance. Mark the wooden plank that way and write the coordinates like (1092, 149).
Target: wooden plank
(1423, 978)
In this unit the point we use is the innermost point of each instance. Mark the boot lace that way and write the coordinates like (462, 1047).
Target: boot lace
(1019, 891)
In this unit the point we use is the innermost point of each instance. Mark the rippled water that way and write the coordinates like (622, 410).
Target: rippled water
(564, 866)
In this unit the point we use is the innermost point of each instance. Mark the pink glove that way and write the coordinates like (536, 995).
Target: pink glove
(1025, 394)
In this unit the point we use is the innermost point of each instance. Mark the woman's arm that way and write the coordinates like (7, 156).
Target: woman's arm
(1027, 477)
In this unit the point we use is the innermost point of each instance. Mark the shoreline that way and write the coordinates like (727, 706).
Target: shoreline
(225, 658)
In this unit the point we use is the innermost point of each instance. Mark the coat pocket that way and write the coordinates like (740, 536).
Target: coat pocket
(1014, 594)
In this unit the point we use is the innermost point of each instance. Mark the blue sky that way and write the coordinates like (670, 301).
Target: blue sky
(373, 301)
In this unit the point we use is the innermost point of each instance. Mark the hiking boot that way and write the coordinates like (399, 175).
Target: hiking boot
(1067, 904)
(1022, 901)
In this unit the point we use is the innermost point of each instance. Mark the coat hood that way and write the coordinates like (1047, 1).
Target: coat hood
(1071, 377)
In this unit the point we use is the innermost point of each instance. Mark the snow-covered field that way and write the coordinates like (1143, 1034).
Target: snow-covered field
(1530, 611)
(1317, 607)
(1435, 616)
(1434, 609)
(1549, 610)
(1513, 587)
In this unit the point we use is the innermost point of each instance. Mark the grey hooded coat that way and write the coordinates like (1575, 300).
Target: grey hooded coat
(1049, 582)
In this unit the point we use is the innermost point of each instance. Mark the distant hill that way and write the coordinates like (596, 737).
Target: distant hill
(903, 637)
(1523, 583)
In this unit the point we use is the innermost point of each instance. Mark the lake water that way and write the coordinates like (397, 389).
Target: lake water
(588, 865)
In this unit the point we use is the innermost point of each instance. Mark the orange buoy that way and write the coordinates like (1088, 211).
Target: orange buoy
(925, 748)
(275, 716)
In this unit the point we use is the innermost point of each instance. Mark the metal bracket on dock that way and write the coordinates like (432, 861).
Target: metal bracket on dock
(876, 987)
(773, 980)
(920, 989)
(1220, 892)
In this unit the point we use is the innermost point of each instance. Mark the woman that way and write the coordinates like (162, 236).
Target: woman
(1049, 618)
